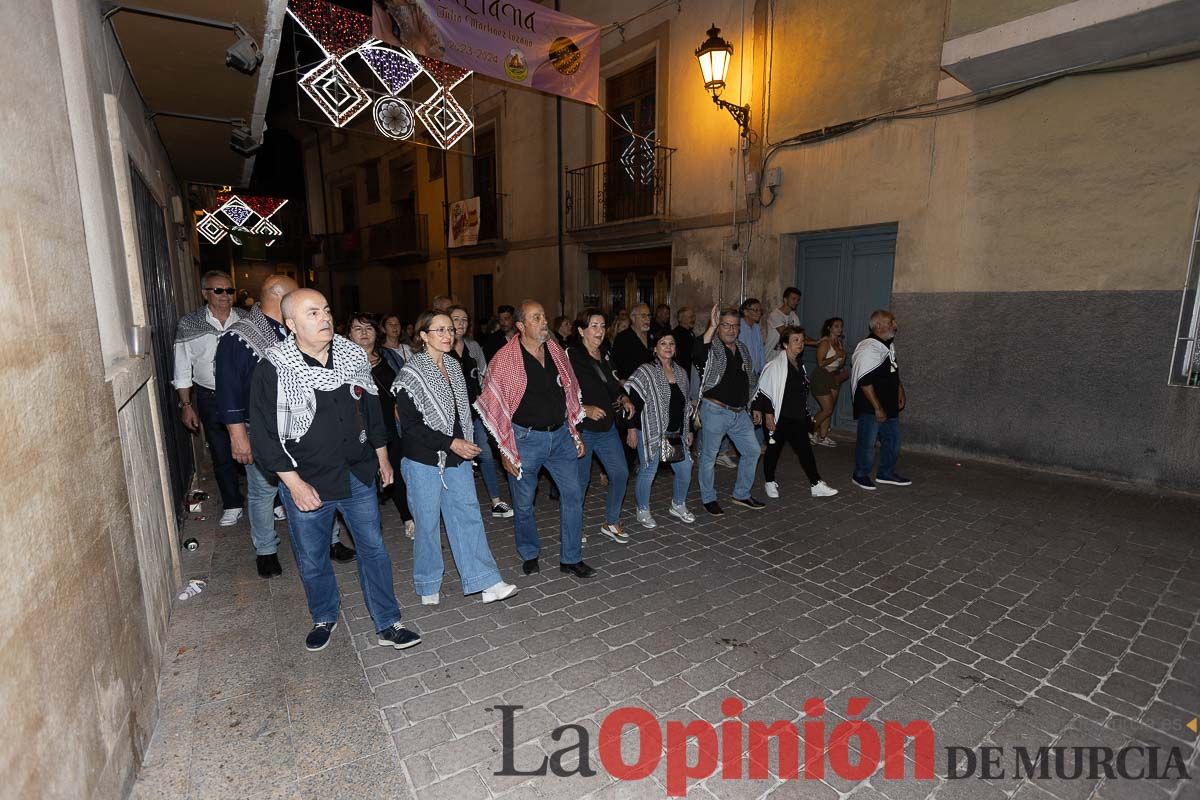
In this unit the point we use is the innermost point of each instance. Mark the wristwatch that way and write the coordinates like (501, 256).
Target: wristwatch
(184, 404)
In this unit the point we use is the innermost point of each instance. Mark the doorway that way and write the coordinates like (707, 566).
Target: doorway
(847, 274)
(622, 279)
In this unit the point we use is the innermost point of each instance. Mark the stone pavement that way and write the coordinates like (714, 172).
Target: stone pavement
(1003, 606)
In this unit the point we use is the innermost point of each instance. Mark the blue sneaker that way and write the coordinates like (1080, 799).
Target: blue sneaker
(318, 637)
(893, 480)
(863, 482)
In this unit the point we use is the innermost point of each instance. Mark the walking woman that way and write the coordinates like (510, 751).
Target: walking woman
(366, 334)
(395, 349)
(603, 400)
(827, 379)
(659, 391)
(431, 395)
(783, 400)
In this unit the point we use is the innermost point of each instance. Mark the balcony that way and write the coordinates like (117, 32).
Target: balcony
(404, 238)
(632, 188)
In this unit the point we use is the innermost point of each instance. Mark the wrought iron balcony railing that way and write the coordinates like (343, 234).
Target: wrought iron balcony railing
(398, 237)
(635, 186)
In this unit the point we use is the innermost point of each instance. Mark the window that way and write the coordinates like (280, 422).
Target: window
(372, 180)
(346, 200)
(484, 178)
(403, 188)
(630, 179)
(1185, 365)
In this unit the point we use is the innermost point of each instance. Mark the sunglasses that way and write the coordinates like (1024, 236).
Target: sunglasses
(221, 289)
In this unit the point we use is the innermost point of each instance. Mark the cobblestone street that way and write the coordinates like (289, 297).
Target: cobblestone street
(1006, 607)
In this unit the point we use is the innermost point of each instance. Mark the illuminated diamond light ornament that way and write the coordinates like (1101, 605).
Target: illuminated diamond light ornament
(266, 228)
(237, 212)
(211, 228)
(337, 31)
(638, 160)
(446, 120)
(335, 91)
(394, 68)
(394, 118)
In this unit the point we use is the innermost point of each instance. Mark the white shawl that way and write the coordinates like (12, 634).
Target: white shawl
(773, 381)
(868, 355)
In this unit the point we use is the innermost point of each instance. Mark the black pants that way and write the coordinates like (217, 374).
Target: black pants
(398, 489)
(217, 435)
(795, 433)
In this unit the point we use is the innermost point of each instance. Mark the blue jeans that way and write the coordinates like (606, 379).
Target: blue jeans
(888, 434)
(715, 424)
(554, 450)
(645, 477)
(608, 448)
(486, 460)
(454, 502)
(225, 469)
(310, 544)
(262, 511)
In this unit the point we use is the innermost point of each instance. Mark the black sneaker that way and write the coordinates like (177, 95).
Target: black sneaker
(502, 509)
(268, 566)
(318, 637)
(714, 508)
(893, 480)
(340, 553)
(750, 502)
(530, 566)
(398, 637)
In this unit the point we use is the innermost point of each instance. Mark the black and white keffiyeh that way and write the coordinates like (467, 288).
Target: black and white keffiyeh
(195, 324)
(298, 383)
(257, 331)
(714, 367)
(435, 400)
(652, 386)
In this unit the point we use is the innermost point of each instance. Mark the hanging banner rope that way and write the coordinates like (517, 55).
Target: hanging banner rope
(518, 41)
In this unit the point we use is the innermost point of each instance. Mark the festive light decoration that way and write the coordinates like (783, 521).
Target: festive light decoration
(235, 212)
(638, 159)
(336, 30)
(395, 69)
(446, 76)
(211, 228)
(445, 119)
(263, 205)
(335, 91)
(394, 118)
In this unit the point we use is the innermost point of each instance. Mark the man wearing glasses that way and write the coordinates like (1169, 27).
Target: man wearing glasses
(196, 338)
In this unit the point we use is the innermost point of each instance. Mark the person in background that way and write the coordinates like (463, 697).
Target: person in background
(365, 333)
(562, 330)
(408, 334)
(633, 347)
(878, 400)
(395, 348)
(827, 379)
(750, 333)
(503, 333)
(196, 336)
(685, 339)
(442, 304)
(783, 317)
(316, 423)
(783, 401)
(431, 395)
(661, 324)
(619, 325)
(659, 392)
(603, 399)
(470, 358)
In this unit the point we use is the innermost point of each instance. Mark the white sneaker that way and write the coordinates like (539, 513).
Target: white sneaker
(410, 529)
(827, 442)
(643, 516)
(822, 489)
(725, 460)
(681, 512)
(431, 599)
(500, 591)
(772, 489)
(230, 516)
(279, 513)
(814, 439)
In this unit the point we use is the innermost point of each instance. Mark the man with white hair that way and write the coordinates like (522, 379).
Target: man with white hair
(878, 400)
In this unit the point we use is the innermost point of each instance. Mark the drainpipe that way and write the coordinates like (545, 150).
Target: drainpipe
(324, 209)
(562, 289)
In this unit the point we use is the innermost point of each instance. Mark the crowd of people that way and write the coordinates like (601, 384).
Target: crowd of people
(328, 425)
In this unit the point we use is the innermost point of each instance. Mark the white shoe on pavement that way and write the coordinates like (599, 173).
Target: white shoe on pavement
(230, 516)
(772, 489)
(823, 489)
(279, 513)
(410, 529)
(813, 439)
(643, 516)
(681, 511)
(725, 460)
(499, 591)
(826, 442)
(431, 599)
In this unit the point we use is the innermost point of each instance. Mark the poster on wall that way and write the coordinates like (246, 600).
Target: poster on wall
(464, 222)
(518, 41)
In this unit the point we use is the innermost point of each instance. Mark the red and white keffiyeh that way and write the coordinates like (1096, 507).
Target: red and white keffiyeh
(504, 387)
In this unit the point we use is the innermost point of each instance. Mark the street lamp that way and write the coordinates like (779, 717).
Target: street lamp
(714, 55)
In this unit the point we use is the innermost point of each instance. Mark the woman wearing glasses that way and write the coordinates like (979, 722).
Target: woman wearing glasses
(438, 442)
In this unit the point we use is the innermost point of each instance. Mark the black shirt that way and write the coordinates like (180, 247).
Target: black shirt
(685, 342)
(420, 442)
(384, 377)
(492, 343)
(795, 397)
(734, 388)
(885, 379)
(675, 409)
(346, 430)
(597, 384)
(629, 353)
(544, 405)
(470, 370)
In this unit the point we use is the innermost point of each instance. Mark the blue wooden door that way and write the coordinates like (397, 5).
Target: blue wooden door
(845, 274)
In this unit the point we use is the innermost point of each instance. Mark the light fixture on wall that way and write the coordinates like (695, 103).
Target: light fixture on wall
(714, 55)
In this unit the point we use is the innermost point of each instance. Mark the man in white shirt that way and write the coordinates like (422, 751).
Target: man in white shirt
(782, 317)
(196, 338)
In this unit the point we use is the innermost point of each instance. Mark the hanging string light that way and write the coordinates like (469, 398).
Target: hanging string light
(336, 30)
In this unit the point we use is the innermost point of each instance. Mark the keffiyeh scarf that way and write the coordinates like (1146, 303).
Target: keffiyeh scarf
(869, 354)
(435, 399)
(257, 331)
(195, 324)
(504, 387)
(653, 387)
(298, 383)
(714, 367)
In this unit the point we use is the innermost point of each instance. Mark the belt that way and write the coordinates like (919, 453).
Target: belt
(200, 388)
(726, 406)
(542, 428)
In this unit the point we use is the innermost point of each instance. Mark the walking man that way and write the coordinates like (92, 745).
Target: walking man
(316, 423)
(781, 318)
(502, 335)
(633, 346)
(727, 382)
(530, 404)
(196, 338)
(878, 400)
